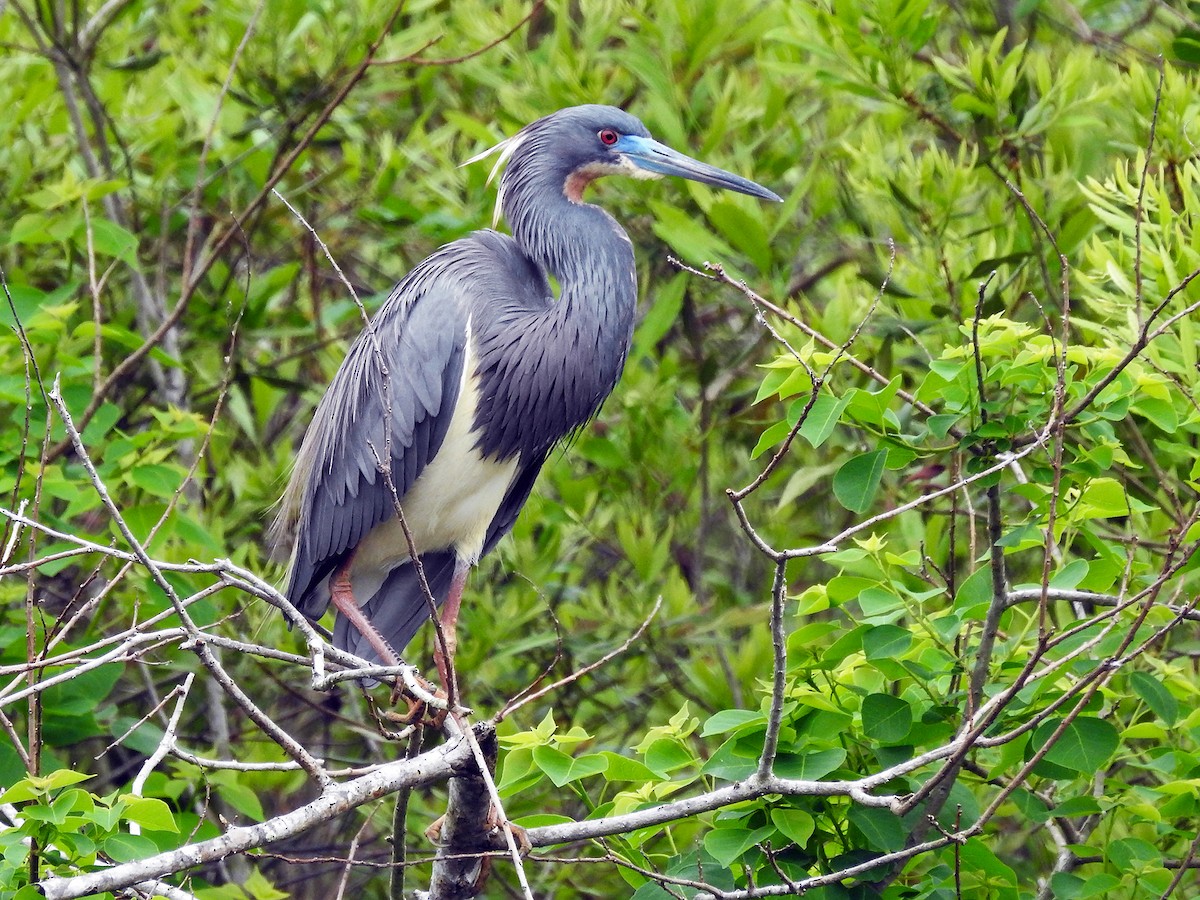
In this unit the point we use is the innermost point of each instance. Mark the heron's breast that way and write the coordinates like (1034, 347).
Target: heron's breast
(454, 499)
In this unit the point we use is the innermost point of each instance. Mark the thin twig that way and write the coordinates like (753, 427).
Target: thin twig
(514, 705)
(170, 735)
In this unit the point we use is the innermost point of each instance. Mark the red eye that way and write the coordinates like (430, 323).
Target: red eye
(607, 136)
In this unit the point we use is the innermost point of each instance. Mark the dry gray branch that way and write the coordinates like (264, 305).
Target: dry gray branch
(429, 768)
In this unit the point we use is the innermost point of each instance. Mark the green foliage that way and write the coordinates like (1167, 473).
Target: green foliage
(72, 828)
(983, 269)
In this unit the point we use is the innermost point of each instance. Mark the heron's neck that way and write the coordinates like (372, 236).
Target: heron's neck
(584, 248)
(566, 356)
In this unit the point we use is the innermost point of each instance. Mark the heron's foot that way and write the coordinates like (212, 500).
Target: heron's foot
(418, 710)
(494, 824)
(520, 835)
(434, 831)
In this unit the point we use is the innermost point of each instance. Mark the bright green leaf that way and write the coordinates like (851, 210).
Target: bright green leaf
(857, 481)
(886, 641)
(1086, 745)
(1156, 696)
(564, 769)
(886, 718)
(810, 766)
(728, 844)
(794, 824)
(150, 813)
(731, 720)
(823, 418)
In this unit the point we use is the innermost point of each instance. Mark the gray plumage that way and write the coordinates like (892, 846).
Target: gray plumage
(476, 330)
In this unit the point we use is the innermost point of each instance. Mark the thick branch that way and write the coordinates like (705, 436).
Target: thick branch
(462, 862)
(428, 768)
(750, 789)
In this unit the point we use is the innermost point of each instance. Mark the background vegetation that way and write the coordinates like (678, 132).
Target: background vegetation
(959, 411)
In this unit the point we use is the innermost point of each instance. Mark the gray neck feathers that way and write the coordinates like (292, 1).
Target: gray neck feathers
(548, 370)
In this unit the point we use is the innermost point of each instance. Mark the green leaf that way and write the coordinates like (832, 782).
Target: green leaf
(1103, 498)
(60, 778)
(36, 786)
(1102, 885)
(728, 844)
(873, 408)
(128, 847)
(667, 302)
(987, 265)
(1161, 702)
(102, 422)
(886, 641)
(1186, 46)
(238, 795)
(1133, 853)
(940, 425)
(1160, 412)
(158, 480)
(886, 718)
(770, 437)
(259, 888)
(744, 230)
(794, 824)
(823, 418)
(1068, 577)
(622, 768)
(517, 771)
(564, 769)
(857, 481)
(979, 857)
(776, 376)
(30, 228)
(691, 241)
(882, 828)
(877, 601)
(1031, 805)
(110, 239)
(665, 756)
(731, 720)
(975, 593)
(809, 766)
(947, 369)
(82, 695)
(150, 813)
(734, 760)
(1086, 744)
(1078, 806)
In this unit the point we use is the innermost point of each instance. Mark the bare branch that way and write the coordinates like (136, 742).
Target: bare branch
(428, 768)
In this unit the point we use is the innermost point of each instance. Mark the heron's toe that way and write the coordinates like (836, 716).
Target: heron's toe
(520, 835)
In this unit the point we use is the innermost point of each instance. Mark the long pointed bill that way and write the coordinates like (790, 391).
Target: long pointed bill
(651, 156)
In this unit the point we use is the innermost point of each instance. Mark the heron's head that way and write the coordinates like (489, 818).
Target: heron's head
(577, 145)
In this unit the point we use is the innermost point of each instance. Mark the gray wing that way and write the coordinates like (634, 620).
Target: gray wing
(337, 494)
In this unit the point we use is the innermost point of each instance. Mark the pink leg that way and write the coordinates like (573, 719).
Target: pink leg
(342, 596)
(449, 620)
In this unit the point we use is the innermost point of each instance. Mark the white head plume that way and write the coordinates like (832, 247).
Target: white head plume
(506, 148)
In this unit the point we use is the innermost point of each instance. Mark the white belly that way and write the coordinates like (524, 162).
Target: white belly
(451, 504)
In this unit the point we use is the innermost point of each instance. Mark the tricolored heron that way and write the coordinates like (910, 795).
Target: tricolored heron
(486, 370)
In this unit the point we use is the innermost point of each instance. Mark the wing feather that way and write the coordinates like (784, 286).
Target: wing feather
(337, 494)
